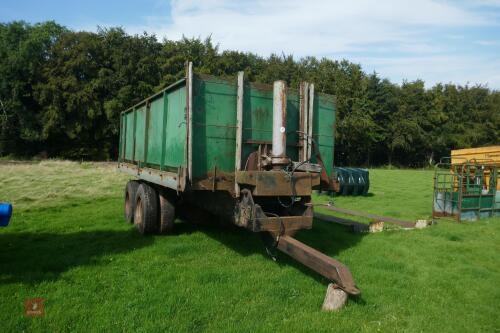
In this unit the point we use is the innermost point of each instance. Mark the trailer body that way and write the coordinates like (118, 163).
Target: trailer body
(185, 136)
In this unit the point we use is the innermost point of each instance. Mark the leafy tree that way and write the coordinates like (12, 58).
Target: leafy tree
(62, 91)
(24, 49)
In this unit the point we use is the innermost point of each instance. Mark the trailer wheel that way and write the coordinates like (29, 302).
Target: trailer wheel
(146, 209)
(167, 211)
(130, 192)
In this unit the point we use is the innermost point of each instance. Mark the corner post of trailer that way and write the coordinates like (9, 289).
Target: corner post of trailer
(164, 131)
(133, 136)
(121, 154)
(303, 118)
(279, 124)
(310, 114)
(239, 129)
(146, 132)
(189, 120)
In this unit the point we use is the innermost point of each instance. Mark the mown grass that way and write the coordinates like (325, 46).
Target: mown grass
(97, 274)
(50, 183)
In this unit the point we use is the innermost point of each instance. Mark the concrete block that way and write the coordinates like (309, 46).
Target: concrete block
(335, 298)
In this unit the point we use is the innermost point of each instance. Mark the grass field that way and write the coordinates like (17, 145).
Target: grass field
(68, 243)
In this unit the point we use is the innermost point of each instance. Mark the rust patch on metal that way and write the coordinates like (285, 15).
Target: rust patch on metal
(215, 180)
(283, 106)
(250, 215)
(261, 87)
(252, 163)
(278, 183)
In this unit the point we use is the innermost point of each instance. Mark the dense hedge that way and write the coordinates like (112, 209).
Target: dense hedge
(61, 92)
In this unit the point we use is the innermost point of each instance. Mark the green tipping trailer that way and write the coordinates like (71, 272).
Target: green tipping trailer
(249, 153)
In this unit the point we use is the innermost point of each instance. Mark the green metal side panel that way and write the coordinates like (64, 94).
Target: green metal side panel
(140, 119)
(258, 118)
(292, 125)
(214, 126)
(324, 129)
(175, 132)
(129, 135)
(166, 131)
(155, 131)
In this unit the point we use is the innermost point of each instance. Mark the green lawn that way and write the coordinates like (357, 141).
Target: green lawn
(68, 243)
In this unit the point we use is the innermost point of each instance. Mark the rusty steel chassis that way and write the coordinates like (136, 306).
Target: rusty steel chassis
(215, 193)
(299, 215)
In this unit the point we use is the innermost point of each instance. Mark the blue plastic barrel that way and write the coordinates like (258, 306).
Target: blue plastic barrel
(5, 214)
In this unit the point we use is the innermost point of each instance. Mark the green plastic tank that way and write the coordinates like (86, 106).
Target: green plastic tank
(352, 181)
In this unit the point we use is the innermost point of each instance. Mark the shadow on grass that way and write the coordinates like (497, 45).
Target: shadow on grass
(369, 194)
(33, 257)
(326, 237)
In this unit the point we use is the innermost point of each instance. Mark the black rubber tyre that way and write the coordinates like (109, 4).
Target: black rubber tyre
(130, 192)
(166, 211)
(146, 209)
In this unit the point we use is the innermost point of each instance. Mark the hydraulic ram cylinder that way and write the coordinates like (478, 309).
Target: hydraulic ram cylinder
(279, 123)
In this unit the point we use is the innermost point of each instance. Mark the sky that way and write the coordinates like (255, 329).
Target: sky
(433, 40)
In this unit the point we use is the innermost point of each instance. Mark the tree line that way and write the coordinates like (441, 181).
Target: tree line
(61, 93)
